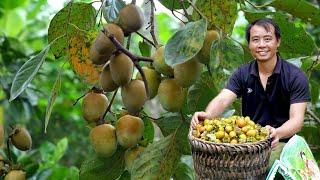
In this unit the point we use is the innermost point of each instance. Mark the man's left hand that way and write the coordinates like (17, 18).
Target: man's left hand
(274, 136)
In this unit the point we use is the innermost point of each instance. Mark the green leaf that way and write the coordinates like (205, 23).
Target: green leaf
(298, 8)
(144, 48)
(97, 167)
(13, 22)
(201, 93)
(157, 161)
(51, 153)
(8, 4)
(185, 43)
(125, 176)
(183, 171)
(111, 9)
(220, 14)
(226, 50)
(26, 73)
(36, 8)
(81, 17)
(315, 91)
(295, 41)
(172, 123)
(173, 4)
(148, 134)
(52, 98)
(64, 173)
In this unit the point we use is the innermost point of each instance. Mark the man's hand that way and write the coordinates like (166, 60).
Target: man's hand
(274, 136)
(199, 116)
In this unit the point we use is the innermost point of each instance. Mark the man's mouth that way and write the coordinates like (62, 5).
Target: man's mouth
(262, 53)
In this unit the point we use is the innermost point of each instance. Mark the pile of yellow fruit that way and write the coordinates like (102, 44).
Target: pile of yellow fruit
(233, 130)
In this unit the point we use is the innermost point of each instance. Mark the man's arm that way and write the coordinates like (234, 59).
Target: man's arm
(215, 107)
(220, 103)
(292, 126)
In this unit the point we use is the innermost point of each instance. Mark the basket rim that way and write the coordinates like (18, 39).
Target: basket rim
(192, 138)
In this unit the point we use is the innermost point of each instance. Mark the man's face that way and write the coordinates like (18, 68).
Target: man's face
(263, 44)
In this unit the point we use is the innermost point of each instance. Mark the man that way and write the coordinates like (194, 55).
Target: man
(274, 92)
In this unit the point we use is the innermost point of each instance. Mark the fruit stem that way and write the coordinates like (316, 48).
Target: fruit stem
(9, 150)
(145, 38)
(182, 117)
(128, 42)
(109, 106)
(137, 65)
(78, 99)
(198, 11)
(186, 14)
(152, 23)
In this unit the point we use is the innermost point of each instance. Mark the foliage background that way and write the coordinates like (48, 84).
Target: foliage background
(60, 152)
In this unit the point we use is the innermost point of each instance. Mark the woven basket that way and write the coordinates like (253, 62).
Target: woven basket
(230, 161)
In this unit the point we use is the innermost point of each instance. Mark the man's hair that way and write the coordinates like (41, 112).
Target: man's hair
(265, 23)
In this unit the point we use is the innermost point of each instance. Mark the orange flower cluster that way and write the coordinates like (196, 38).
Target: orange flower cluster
(79, 48)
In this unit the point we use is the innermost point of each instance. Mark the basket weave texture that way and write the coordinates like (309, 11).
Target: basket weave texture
(230, 161)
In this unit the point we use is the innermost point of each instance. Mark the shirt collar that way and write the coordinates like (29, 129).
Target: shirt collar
(254, 67)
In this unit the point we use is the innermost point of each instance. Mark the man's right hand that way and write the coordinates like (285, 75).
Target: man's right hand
(199, 116)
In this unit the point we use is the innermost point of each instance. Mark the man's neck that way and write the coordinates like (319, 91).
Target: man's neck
(267, 67)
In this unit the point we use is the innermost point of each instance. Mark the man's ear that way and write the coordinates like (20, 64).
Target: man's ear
(279, 42)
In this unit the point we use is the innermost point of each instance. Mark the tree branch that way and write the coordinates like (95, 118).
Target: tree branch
(111, 101)
(185, 11)
(311, 113)
(152, 23)
(135, 59)
(146, 39)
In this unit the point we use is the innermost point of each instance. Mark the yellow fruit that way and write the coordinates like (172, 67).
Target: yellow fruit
(219, 134)
(240, 122)
(153, 79)
(103, 139)
(209, 127)
(131, 154)
(97, 58)
(134, 96)
(103, 45)
(251, 132)
(171, 95)
(121, 68)
(15, 175)
(232, 134)
(130, 19)
(21, 138)
(233, 141)
(106, 80)
(94, 105)
(187, 73)
(228, 128)
(204, 54)
(129, 130)
(160, 64)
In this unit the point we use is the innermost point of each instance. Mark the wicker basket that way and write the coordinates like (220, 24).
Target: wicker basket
(230, 161)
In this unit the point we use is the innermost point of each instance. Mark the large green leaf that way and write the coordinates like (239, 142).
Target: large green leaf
(185, 43)
(51, 153)
(145, 48)
(201, 93)
(8, 4)
(172, 123)
(174, 4)
(221, 15)
(13, 22)
(111, 9)
(183, 171)
(315, 91)
(97, 167)
(69, 21)
(148, 134)
(27, 72)
(52, 98)
(299, 8)
(295, 41)
(226, 50)
(157, 161)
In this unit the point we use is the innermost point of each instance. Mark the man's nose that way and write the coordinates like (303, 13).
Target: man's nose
(261, 43)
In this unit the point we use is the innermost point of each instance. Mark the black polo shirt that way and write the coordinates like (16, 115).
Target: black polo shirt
(287, 85)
